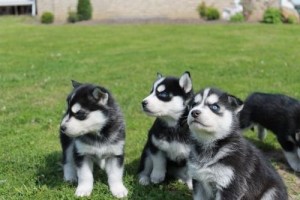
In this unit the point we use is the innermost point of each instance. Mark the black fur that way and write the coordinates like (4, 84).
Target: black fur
(159, 129)
(104, 143)
(277, 113)
(163, 132)
(253, 176)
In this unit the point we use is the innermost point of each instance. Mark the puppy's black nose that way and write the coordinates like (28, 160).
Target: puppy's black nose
(195, 113)
(63, 129)
(144, 104)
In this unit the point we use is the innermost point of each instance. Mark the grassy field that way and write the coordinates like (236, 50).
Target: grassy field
(37, 63)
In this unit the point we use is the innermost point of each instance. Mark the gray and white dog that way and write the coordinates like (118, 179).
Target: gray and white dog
(222, 163)
(167, 147)
(93, 131)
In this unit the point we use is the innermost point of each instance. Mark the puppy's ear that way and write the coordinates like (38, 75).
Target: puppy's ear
(159, 76)
(236, 103)
(75, 84)
(101, 97)
(185, 82)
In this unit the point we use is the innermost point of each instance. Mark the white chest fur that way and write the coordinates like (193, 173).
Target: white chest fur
(100, 150)
(174, 150)
(209, 170)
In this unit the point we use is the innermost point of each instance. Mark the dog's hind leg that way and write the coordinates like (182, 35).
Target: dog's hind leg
(293, 159)
(297, 137)
(290, 151)
(261, 133)
(159, 167)
(146, 167)
(69, 168)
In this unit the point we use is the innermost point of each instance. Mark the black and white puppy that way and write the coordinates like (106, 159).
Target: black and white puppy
(279, 114)
(167, 147)
(93, 131)
(222, 163)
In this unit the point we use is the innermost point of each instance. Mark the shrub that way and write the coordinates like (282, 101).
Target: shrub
(272, 16)
(47, 18)
(201, 9)
(291, 20)
(84, 9)
(238, 17)
(208, 13)
(212, 13)
(73, 17)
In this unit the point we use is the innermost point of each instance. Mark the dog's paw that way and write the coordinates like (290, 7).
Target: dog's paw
(144, 180)
(119, 191)
(83, 191)
(72, 178)
(157, 177)
(102, 164)
(69, 173)
(189, 183)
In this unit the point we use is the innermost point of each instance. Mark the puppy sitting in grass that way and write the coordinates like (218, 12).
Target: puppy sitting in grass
(222, 164)
(167, 148)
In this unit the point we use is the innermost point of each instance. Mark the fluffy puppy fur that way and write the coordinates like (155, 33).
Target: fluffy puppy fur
(93, 131)
(167, 147)
(279, 114)
(222, 163)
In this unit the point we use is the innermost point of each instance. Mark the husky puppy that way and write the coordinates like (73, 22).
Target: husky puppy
(92, 131)
(279, 114)
(167, 147)
(222, 163)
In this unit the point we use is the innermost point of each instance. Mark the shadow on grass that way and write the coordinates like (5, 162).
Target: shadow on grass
(50, 172)
(169, 189)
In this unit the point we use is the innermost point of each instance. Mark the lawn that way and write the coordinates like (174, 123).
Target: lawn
(38, 62)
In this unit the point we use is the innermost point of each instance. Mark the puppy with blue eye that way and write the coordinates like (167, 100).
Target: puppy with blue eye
(222, 164)
(93, 131)
(167, 148)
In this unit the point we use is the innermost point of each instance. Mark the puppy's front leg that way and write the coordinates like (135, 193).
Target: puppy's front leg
(159, 167)
(114, 168)
(85, 176)
(201, 191)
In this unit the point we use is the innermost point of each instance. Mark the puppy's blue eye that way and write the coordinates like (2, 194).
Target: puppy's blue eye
(80, 115)
(163, 94)
(214, 107)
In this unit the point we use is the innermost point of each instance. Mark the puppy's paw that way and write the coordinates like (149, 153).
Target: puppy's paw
(72, 178)
(69, 173)
(144, 180)
(83, 191)
(189, 183)
(157, 177)
(119, 190)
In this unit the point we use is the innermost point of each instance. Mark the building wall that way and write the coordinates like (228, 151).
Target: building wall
(145, 9)
(115, 9)
(60, 8)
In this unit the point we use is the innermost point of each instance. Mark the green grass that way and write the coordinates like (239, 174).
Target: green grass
(37, 63)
